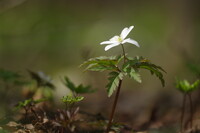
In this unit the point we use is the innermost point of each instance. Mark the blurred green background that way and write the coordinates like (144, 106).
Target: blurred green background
(56, 36)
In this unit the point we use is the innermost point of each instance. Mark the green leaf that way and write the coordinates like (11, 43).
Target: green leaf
(186, 87)
(102, 63)
(135, 75)
(195, 85)
(71, 99)
(194, 67)
(12, 77)
(132, 73)
(40, 100)
(114, 78)
(3, 131)
(142, 63)
(80, 89)
(7, 75)
(29, 102)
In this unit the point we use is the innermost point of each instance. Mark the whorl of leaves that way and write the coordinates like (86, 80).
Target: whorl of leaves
(131, 68)
(80, 89)
(186, 87)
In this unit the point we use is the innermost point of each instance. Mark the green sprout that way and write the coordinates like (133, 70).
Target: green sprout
(186, 88)
(70, 100)
(67, 117)
(28, 105)
(121, 66)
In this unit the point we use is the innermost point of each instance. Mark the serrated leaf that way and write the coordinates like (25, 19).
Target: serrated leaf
(132, 73)
(114, 78)
(102, 63)
(69, 84)
(154, 71)
(135, 75)
(80, 89)
(142, 63)
(71, 99)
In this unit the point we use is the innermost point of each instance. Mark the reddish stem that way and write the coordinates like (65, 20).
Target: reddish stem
(114, 107)
(183, 112)
(191, 111)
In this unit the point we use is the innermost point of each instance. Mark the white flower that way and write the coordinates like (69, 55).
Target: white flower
(117, 40)
(44, 76)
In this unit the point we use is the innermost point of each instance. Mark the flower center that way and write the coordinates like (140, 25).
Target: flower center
(120, 39)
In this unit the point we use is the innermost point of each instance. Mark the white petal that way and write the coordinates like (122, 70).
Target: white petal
(131, 41)
(114, 39)
(106, 42)
(126, 31)
(111, 46)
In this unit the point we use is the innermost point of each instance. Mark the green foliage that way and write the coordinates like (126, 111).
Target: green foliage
(80, 89)
(114, 78)
(195, 68)
(142, 63)
(29, 102)
(131, 72)
(41, 79)
(11, 77)
(130, 68)
(186, 87)
(3, 131)
(8, 75)
(102, 63)
(71, 99)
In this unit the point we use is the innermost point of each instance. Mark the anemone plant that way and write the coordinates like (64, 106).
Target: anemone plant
(121, 66)
(186, 88)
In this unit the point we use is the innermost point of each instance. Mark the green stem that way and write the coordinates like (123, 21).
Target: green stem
(124, 53)
(116, 98)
